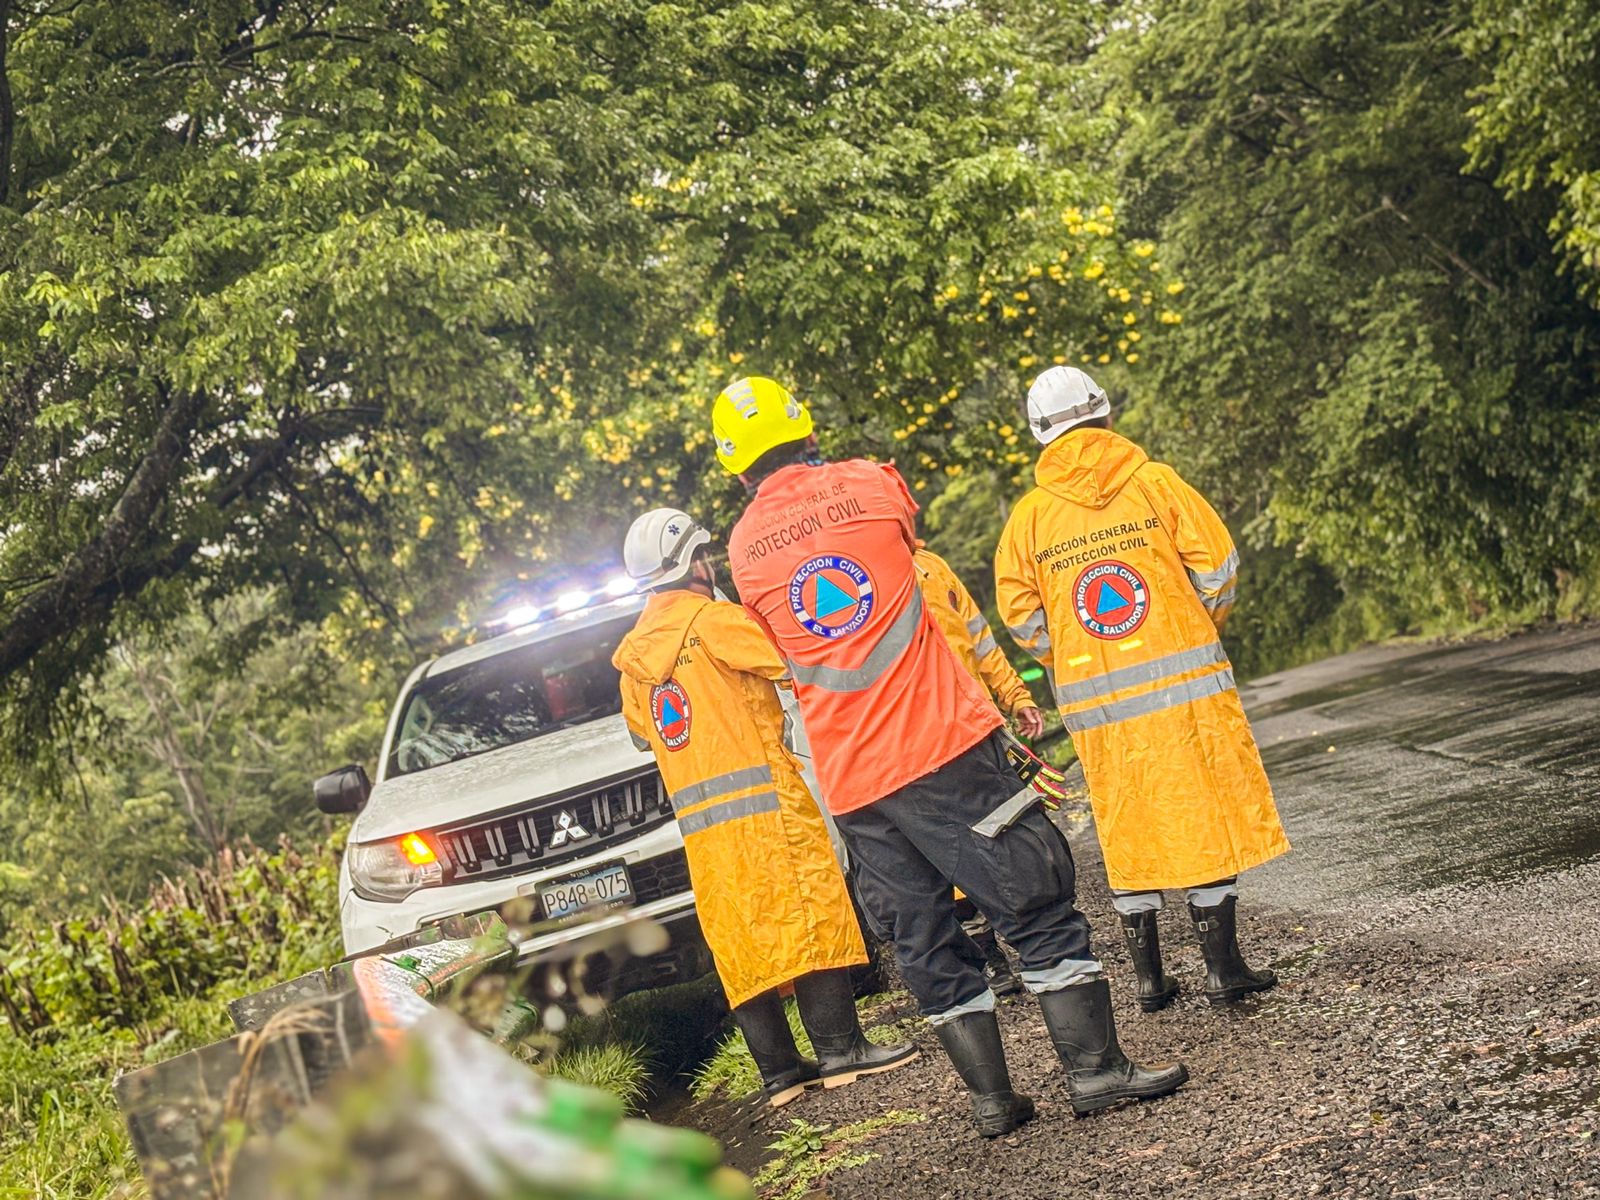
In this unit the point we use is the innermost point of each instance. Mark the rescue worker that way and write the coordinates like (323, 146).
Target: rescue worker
(967, 630)
(697, 690)
(1117, 576)
(910, 760)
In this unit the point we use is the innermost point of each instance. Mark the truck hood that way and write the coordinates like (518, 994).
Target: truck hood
(552, 765)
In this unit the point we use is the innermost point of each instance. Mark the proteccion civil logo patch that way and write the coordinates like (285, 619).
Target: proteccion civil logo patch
(669, 709)
(1111, 599)
(831, 596)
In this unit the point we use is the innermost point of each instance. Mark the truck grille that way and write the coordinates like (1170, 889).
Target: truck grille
(553, 831)
(659, 877)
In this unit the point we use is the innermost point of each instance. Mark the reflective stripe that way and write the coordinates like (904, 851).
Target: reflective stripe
(721, 785)
(728, 810)
(984, 1003)
(1029, 629)
(1219, 600)
(1129, 903)
(1145, 672)
(890, 647)
(977, 625)
(986, 646)
(639, 743)
(1006, 815)
(1215, 894)
(1069, 972)
(1210, 581)
(1143, 705)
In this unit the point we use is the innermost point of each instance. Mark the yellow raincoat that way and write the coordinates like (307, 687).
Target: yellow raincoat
(697, 688)
(967, 630)
(1117, 576)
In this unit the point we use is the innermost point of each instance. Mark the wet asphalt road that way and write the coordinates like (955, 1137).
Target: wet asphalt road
(1437, 932)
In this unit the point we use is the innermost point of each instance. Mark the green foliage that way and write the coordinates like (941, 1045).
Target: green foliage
(254, 913)
(1380, 377)
(808, 1154)
(374, 304)
(1536, 125)
(617, 1068)
(72, 1017)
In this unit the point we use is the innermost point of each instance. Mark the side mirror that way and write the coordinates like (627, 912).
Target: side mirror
(344, 790)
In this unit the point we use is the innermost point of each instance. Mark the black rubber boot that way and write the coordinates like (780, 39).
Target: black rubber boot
(1157, 989)
(973, 1043)
(828, 1011)
(784, 1073)
(1099, 1074)
(997, 968)
(1228, 977)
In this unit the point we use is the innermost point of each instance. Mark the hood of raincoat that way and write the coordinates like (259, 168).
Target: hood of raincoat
(650, 652)
(1088, 466)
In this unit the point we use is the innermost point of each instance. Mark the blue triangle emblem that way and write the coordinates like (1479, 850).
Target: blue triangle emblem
(669, 712)
(831, 598)
(1111, 599)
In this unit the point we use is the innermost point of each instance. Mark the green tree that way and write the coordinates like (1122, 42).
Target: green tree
(1536, 124)
(1380, 373)
(368, 305)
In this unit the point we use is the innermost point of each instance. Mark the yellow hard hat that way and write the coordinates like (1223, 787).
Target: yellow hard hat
(753, 415)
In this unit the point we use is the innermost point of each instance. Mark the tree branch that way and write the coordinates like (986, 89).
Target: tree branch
(61, 601)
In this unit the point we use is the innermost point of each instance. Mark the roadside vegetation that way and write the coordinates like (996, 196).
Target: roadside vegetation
(328, 332)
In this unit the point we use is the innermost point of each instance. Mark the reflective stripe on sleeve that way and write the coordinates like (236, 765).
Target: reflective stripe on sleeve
(639, 743)
(721, 785)
(977, 625)
(1101, 686)
(1143, 705)
(728, 810)
(986, 645)
(1219, 600)
(1029, 629)
(884, 655)
(1210, 581)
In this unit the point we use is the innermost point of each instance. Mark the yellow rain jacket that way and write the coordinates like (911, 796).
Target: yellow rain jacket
(967, 630)
(697, 688)
(1117, 576)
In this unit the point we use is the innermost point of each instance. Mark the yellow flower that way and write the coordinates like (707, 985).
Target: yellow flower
(1006, 431)
(1020, 295)
(1104, 358)
(1144, 249)
(1059, 359)
(736, 358)
(1168, 317)
(424, 525)
(1105, 210)
(1130, 318)
(1174, 288)
(1133, 358)
(951, 292)
(1094, 270)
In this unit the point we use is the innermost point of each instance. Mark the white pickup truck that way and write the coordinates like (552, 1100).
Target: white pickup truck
(507, 771)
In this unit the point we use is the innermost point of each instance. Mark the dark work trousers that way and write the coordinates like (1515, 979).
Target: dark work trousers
(910, 846)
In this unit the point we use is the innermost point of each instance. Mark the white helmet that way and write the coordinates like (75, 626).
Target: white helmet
(1061, 398)
(660, 546)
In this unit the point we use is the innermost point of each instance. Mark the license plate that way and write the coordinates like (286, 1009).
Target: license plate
(603, 887)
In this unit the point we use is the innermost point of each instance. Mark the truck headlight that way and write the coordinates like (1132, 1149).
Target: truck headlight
(391, 870)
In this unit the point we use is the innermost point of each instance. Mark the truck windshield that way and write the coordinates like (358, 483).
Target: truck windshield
(510, 698)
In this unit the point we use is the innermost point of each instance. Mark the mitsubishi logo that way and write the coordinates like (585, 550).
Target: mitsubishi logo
(567, 830)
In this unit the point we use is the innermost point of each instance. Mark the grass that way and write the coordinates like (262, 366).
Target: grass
(731, 1072)
(620, 1069)
(807, 1154)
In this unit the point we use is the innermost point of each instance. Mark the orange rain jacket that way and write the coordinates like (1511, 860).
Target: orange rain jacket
(1117, 576)
(967, 630)
(697, 687)
(822, 559)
